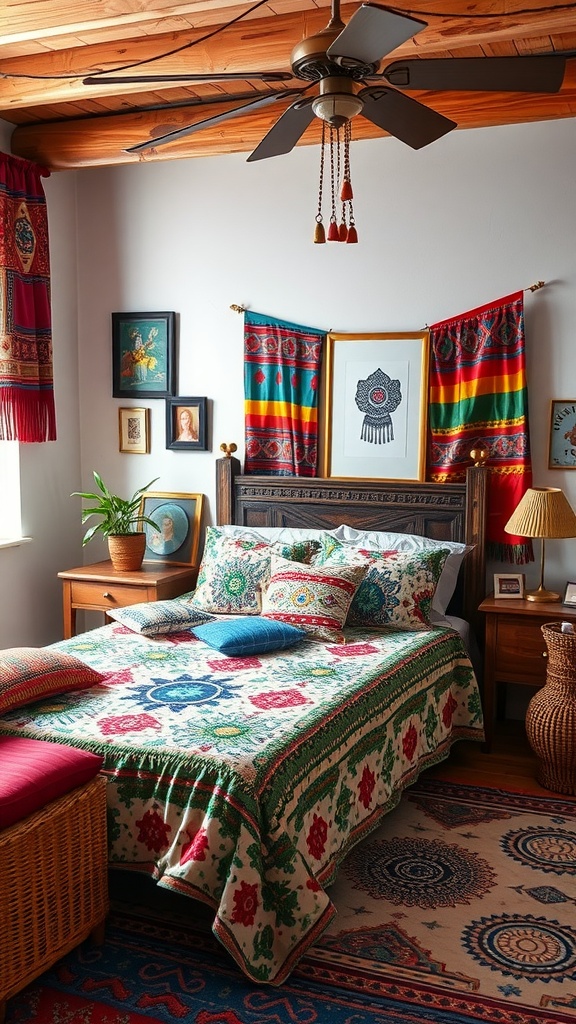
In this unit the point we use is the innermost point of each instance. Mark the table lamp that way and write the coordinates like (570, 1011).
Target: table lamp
(542, 512)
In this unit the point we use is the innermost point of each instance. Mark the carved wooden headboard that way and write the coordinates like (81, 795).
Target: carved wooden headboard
(454, 512)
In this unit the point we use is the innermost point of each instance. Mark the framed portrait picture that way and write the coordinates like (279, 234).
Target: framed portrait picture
(134, 430)
(509, 584)
(562, 434)
(570, 595)
(186, 424)
(143, 355)
(375, 406)
(178, 518)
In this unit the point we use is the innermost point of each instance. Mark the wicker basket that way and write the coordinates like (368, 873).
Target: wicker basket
(551, 714)
(53, 871)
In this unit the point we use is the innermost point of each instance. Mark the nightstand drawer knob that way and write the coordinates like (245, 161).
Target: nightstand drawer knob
(106, 594)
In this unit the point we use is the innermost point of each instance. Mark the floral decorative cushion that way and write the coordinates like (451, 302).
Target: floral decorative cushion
(251, 634)
(28, 674)
(314, 598)
(398, 587)
(157, 618)
(235, 571)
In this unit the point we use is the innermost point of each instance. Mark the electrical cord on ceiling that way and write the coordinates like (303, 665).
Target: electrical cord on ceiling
(548, 9)
(149, 60)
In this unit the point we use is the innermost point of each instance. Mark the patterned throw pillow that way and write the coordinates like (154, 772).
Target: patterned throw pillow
(28, 674)
(157, 618)
(397, 589)
(235, 571)
(251, 634)
(314, 598)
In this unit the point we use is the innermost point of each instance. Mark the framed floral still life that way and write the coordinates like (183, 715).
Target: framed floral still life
(562, 434)
(143, 356)
(178, 519)
(375, 406)
(186, 424)
(134, 431)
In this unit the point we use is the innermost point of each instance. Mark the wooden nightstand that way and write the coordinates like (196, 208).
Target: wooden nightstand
(100, 588)
(515, 651)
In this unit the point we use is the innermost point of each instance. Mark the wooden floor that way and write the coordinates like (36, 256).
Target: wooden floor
(511, 764)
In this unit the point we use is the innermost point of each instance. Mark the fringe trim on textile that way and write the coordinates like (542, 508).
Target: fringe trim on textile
(377, 431)
(515, 554)
(27, 416)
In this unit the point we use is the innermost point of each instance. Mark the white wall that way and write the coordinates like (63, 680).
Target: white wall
(471, 218)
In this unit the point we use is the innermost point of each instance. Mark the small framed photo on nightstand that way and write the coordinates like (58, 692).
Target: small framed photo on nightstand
(510, 584)
(570, 595)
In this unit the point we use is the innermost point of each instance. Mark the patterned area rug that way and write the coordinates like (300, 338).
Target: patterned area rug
(460, 908)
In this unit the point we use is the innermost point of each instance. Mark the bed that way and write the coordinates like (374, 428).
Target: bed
(242, 779)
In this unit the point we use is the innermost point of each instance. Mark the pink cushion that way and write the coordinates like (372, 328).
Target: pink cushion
(34, 772)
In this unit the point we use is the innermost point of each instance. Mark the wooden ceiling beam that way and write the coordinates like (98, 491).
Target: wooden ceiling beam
(91, 142)
(259, 44)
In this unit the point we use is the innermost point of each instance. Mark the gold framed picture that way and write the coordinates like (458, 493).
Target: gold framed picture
(134, 430)
(178, 519)
(375, 406)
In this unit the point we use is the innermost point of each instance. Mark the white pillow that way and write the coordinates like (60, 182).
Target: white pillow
(270, 534)
(375, 540)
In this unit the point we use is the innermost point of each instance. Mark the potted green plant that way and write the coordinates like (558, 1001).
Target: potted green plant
(120, 521)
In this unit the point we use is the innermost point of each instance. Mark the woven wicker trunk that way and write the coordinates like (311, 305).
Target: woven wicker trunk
(551, 714)
(53, 867)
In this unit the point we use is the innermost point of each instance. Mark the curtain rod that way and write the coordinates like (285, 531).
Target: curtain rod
(531, 288)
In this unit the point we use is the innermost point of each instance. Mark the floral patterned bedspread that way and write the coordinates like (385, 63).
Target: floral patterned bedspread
(243, 782)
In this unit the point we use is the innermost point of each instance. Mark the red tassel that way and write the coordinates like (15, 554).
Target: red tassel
(319, 233)
(352, 234)
(346, 190)
(343, 232)
(333, 233)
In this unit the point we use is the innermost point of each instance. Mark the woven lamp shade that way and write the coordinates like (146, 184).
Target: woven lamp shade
(543, 512)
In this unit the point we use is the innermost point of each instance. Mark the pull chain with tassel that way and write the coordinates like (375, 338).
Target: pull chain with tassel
(345, 231)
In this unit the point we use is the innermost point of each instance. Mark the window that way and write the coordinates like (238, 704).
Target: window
(10, 507)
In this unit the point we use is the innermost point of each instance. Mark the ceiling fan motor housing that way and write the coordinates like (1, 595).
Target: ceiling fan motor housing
(337, 102)
(310, 62)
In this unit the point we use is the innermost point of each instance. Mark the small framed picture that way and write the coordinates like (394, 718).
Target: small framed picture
(570, 595)
(186, 424)
(134, 430)
(509, 584)
(562, 452)
(143, 355)
(178, 519)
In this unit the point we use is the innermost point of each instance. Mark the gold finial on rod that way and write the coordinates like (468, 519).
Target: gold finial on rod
(228, 449)
(536, 287)
(479, 456)
(238, 309)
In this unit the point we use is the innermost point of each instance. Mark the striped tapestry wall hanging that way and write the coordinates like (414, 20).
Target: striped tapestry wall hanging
(27, 410)
(479, 399)
(282, 364)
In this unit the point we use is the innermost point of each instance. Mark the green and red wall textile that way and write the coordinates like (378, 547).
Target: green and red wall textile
(281, 383)
(479, 399)
(27, 410)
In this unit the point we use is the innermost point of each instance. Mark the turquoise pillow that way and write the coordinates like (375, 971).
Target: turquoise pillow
(248, 634)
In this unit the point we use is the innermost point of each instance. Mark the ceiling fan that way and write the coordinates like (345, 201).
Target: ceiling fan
(343, 63)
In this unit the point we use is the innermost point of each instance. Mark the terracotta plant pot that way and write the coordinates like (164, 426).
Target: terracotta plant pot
(126, 550)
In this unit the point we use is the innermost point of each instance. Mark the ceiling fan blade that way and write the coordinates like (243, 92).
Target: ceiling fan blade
(284, 135)
(499, 74)
(228, 115)
(231, 76)
(371, 33)
(404, 118)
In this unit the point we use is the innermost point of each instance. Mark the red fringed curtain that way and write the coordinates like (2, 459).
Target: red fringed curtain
(479, 399)
(281, 382)
(27, 410)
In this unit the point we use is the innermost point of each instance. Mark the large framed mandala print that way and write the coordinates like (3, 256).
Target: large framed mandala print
(375, 406)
